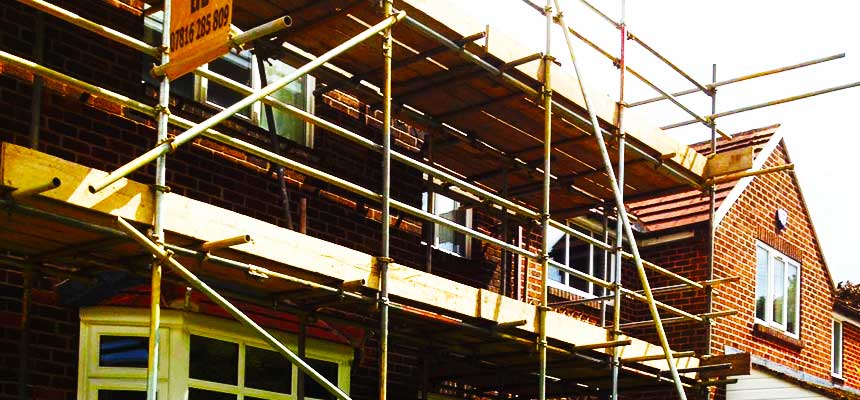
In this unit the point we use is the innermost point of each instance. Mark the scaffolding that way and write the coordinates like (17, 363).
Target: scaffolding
(582, 117)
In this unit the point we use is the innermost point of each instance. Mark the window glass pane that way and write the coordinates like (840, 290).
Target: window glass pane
(214, 360)
(236, 68)
(121, 395)
(778, 291)
(556, 274)
(580, 260)
(200, 394)
(792, 299)
(557, 245)
(449, 239)
(761, 283)
(267, 370)
(837, 347)
(328, 370)
(123, 351)
(295, 94)
(598, 270)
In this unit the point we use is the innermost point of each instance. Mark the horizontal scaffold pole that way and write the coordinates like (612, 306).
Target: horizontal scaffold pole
(190, 134)
(93, 27)
(510, 80)
(239, 41)
(260, 152)
(166, 257)
(367, 143)
(741, 79)
(310, 118)
(766, 104)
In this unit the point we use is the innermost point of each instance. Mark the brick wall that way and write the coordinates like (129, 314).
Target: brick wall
(92, 132)
(689, 258)
(851, 354)
(751, 219)
(88, 131)
(53, 334)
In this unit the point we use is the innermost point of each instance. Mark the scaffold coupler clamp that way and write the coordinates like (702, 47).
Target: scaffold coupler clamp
(168, 141)
(162, 259)
(256, 272)
(379, 263)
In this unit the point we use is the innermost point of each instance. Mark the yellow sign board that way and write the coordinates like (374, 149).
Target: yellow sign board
(199, 32)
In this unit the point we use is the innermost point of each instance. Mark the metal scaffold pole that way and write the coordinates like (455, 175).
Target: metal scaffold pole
(385, 258)
(712, 208)
(545, 246)
(622, 215)
(160, 187)
(198, 129)
(166, 257)
(619, 234)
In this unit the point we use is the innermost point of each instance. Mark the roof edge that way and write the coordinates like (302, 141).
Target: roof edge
(742, 184)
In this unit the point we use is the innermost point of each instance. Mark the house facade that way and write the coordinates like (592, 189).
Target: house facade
(784, 295)
(76, 294)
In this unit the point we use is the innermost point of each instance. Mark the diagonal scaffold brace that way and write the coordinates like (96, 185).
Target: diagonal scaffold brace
(166, 257)
(190, 134)
(622, 213)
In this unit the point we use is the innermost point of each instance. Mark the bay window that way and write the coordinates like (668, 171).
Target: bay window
(200, 357)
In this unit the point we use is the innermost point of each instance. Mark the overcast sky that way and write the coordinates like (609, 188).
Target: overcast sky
(741, 37)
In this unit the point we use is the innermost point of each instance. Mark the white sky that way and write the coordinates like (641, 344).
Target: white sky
(741, 37)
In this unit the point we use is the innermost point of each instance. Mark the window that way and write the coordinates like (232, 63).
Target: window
(777, 290)
(836, 350)
(578, 255)
(242, 67)
(201, 357)
(445, 238)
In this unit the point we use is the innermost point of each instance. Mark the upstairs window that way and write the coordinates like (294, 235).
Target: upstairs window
(578, 255)
(836, 349)
(445, 238)
(243, 68)
(777, 290)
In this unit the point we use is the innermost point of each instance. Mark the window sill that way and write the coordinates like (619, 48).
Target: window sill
(565, 295)
(776, 336)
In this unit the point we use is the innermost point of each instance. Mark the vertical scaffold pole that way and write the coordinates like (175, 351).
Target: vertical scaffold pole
(712, 192)
(622, 215)
(157, 223)
(547, 149)
(386, 199)
(619, 234)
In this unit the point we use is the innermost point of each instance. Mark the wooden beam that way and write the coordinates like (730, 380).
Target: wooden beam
(435, 80)
(401, 63)
(290, 251)
(507, 46)
(500, 171)
(465, 110)
(560, 142)
(728, 162)
(740, 175)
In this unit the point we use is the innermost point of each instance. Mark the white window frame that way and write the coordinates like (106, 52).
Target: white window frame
(837, 366)
(566, 285)
(467, 252)
(773, 255)
(176, 331)
(201, 86)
